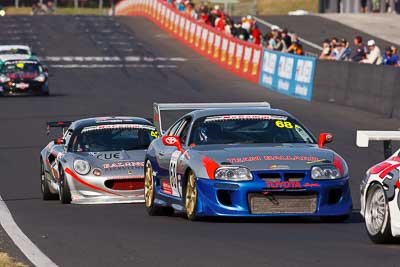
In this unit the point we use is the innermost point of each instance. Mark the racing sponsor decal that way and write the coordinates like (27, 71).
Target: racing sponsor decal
(124, 164)
(108, 156)
(171, 140)
(166, 188)
(283, 185)
(279, 167)
(311, 185)
(245, 117)
(289, 185)
(271, 158)
(173, 172)
(117, 126)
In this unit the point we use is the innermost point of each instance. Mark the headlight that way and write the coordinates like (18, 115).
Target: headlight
(233, 173)
(41, 78)
(81, 166)
(2, 13)
(4, 79)
(325, 173)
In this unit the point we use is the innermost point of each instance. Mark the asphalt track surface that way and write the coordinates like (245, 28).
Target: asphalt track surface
(124, 235)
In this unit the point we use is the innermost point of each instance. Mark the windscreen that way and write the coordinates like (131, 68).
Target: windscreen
(100, 138)
(27, 67)
(236, 129)
(17, 51)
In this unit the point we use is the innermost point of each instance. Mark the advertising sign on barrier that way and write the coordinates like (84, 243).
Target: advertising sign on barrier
(289, 74)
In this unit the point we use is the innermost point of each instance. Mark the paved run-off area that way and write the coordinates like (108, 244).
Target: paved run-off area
(124, 235)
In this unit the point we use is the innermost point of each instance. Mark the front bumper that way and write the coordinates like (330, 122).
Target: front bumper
(33, 88)
(90, 189)
(224, 198)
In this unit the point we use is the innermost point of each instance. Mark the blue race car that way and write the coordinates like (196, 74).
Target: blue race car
(243, 159)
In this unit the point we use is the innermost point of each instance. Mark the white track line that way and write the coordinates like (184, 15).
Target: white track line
(268, 24)
(111, 59)
(102, 66)
(30, 250)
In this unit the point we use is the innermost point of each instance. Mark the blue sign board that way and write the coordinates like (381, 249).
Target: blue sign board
(288, 74)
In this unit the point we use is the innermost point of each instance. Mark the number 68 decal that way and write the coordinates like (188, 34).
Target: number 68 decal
(284, 124)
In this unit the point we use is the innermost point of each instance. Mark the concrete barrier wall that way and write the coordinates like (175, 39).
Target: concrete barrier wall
(368, 87)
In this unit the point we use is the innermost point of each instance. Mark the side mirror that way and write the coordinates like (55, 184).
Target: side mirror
(45, 69)
(172, 141)
(325, 138)
(59, 141)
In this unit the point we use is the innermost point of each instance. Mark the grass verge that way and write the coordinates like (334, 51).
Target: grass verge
(7, 261)
(60, 11)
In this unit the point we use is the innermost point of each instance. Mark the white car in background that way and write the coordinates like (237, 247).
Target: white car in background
(380, 189)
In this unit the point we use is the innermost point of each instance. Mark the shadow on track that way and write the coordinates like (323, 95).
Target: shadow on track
(355, 218)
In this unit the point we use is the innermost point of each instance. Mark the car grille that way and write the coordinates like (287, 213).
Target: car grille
(282, 203)
(126, 184)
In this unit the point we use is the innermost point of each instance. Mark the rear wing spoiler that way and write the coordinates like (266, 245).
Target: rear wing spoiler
(363, 138)
(158, 107)
(57, 124)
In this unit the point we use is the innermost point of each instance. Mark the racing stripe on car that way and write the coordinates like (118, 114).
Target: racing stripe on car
(388, 170)
(76, 177)
(210, 165)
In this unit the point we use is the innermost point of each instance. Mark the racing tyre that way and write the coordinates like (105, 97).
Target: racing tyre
(149, 193)
(377, 216)
(191, 197)
(44, 186)
(64, 192)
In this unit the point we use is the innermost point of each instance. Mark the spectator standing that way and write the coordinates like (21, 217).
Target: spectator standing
(286, 38)
(296, 47)
(220, 23)
(360, 51)
(326, 50)
(191, 11)
(247, 23)
(342, 51)
(256, 34)
(241, 33)
(374, 55)
(389, 58)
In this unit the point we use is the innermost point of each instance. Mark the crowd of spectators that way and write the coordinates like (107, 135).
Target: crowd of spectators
(335, 49)
(246, 29)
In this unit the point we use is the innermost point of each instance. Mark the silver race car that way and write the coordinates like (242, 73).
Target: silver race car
(97, 160)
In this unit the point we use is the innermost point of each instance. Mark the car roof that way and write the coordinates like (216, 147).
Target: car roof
(237, 111)
(108, 120)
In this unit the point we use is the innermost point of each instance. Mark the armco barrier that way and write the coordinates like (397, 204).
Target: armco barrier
(241, 58)
(288, 74)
